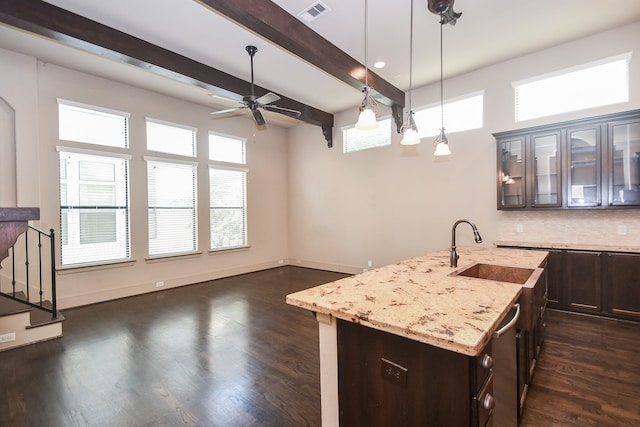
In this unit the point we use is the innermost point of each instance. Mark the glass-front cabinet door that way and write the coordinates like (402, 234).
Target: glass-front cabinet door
(511, 185)
(546, 179)
(583, 167)
(624, 163)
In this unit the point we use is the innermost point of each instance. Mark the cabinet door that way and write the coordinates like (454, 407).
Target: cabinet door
(583, 167)
(624, 163)
(511, 174)
(623, 285)
(546, 177)
(583, 281)
(553, 270)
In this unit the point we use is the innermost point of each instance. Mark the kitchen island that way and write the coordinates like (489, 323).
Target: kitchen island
(417, 303)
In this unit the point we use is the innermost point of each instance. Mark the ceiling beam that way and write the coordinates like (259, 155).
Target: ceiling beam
(58, 24)
(269, 20)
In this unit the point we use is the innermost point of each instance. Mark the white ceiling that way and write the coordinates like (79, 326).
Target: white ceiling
(489, 31)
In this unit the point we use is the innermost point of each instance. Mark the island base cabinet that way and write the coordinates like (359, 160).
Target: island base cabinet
(388, 380)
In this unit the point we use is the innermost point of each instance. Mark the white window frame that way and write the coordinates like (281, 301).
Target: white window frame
(562, 91)
(73, 251)
(98, 111)
(223, 236)
(170, 246)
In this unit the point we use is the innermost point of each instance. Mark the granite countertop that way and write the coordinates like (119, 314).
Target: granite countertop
(417, 299)
(576, 246)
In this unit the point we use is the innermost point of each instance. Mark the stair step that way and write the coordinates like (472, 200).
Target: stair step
(39, 317)
(9, 306)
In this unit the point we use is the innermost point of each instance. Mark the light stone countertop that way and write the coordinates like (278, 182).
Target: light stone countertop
(575, 246)
(417, 299)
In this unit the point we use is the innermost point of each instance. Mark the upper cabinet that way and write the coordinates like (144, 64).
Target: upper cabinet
(587, 163)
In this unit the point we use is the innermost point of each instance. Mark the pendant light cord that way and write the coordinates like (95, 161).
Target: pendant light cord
(441, 81)
(410, 58)
(366, 48)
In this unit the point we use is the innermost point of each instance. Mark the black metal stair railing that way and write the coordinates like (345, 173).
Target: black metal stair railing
(19, 253)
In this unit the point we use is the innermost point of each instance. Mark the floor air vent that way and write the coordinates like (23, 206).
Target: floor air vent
(314, 11)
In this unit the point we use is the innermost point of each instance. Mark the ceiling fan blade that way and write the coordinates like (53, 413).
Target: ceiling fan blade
(257, 116)
(268, 98)
(213, 113)
(282, 110)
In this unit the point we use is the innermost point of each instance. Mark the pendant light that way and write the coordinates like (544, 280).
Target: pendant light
(368, 107)
(409, 129)
(441, 143)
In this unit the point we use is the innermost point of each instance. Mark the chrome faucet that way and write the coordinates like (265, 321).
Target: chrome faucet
(454, 255)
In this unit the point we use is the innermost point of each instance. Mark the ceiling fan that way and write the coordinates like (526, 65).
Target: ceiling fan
(255, 104)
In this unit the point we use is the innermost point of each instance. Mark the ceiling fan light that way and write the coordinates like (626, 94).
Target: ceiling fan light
(366, 120)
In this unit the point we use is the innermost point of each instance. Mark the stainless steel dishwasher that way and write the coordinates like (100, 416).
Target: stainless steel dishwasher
(505, 385)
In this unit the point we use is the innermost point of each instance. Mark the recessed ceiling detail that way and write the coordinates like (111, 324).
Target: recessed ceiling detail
(314, 11)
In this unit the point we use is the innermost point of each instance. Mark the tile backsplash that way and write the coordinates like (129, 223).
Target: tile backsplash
(590, 227)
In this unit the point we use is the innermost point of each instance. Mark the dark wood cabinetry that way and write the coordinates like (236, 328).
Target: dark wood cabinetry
(388, 380)
(623, 285)
(583, 281)
(601, 283)
(587, 163)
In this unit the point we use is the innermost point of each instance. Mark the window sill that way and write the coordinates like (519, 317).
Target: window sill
(82, 268)
(229, 250)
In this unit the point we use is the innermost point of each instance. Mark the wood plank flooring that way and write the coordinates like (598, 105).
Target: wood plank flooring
(588, 374)
(231, 353)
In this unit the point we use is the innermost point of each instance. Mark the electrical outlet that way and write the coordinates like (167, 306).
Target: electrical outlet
(369, 263)
(393, 372)
(519, 228)
(280, 261)
(622, 229)
(159, 284)
(8, 337)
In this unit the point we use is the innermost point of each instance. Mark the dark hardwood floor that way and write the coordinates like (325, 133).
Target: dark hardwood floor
(230, 352)
(588, 374)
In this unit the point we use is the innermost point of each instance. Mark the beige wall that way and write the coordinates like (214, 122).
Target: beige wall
(308, 205)
(40, 84)
(395, 202)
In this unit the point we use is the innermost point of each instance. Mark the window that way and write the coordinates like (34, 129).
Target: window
(92, 125)
(356, 140)
(590, 85)
(171, 188)
(94, 186)
(460, 114)
(171, 138)
(227, 193)
(94, 207)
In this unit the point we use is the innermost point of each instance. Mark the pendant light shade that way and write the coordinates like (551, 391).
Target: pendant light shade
(366, 119)
(409, 128)
(442, 145)
(367, 116)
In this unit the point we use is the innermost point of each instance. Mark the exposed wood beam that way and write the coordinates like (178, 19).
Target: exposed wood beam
(269, 20)
(42, 18)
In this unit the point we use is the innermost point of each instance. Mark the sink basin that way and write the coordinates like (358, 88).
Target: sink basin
(498, 273)
(532, 281)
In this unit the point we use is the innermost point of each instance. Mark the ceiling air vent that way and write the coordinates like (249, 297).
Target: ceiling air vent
(314, 11)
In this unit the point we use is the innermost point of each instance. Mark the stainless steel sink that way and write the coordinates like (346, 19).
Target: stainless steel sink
(532, 281)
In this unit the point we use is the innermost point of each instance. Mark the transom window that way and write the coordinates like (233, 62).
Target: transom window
(355, 139)
(460, 114)
(586, 86)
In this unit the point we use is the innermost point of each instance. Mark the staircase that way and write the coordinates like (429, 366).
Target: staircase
(26, 315)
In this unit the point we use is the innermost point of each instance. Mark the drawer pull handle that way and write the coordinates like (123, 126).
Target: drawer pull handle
(488, 402)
